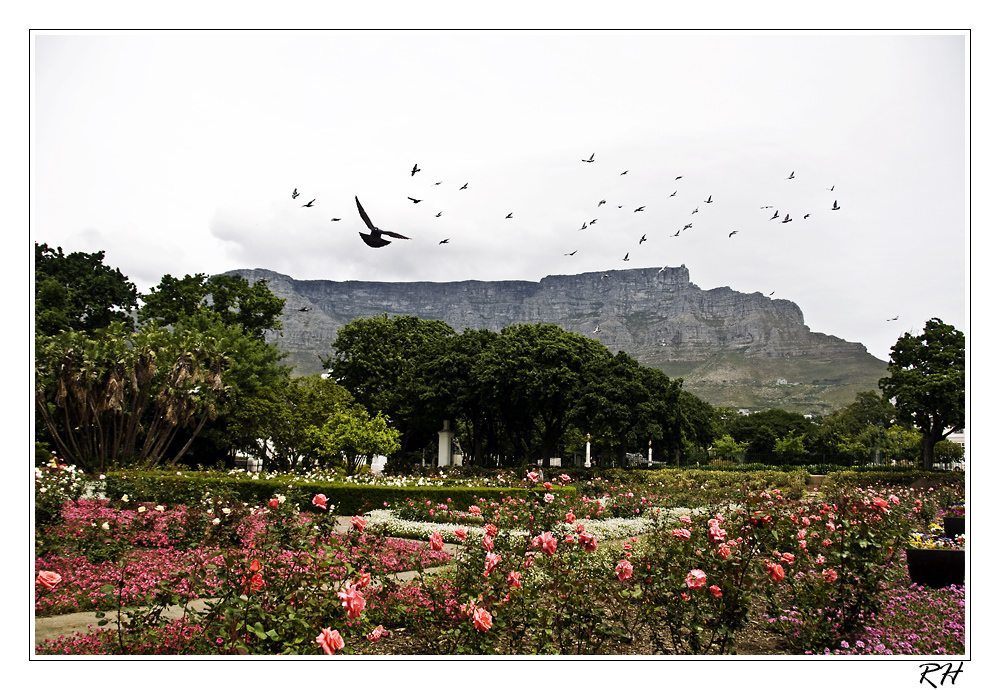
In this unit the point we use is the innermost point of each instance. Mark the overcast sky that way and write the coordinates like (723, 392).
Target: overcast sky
(178, 153)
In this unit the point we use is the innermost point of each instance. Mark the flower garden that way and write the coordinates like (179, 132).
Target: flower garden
(629, 563)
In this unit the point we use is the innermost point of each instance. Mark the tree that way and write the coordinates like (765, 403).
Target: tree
(254, 308)
(926, 383)
(378, 361)
(353, 435)
(729, 448)
(119, 395)
(78, 292)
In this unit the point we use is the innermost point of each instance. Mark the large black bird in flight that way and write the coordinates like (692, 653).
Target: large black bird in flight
(374, 238)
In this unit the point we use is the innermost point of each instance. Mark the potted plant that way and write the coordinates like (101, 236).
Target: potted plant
(935, 560)
(954, 520)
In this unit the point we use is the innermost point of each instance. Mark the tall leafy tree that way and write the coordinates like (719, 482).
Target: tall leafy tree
(926, 382)
(120, 396)
(379, 359)
(77, 291)
(254, 308)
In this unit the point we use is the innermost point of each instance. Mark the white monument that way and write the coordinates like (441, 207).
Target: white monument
(445, 437)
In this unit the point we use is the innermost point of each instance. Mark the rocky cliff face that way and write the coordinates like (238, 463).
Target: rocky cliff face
(657, 316)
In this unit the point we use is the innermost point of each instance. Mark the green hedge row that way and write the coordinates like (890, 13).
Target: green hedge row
(345, 499)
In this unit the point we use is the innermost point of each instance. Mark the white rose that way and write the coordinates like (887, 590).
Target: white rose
(215, 521)
(125, 498)
(142, 509)
(105, 526)
(159, 509)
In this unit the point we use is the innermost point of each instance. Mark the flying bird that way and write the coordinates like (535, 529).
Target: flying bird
(572, 252)
(464, 186)
(295, 192)
(641, 208)
(792, 175)
(806, 216)
(601, 202)
(678, 177)
(835, 207)
(767, 206)
(438, 214)
(642, 239)
(416, 201)
(304, 309)
(694, 211)
(309, 205)
(437, 183)
(588, 160)
(689, 225)
(626, 257)
(674, 194)
(831, 188)
(593, 221)
(662, 270)
(676, 233)
(605, 276)
(733, 233)
(893, 318)
(709, 199)
(775, 215)
(415, 170)
(598, 329)
(374, 238)
(772, 292)
(788, 219)
(625, 173)
(584, 226)
(510, 215)
(443, 242)
(335, 219)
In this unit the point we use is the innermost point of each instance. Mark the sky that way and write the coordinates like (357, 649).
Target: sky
(178, 153)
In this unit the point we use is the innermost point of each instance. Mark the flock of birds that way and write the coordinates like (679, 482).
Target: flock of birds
(376, 237)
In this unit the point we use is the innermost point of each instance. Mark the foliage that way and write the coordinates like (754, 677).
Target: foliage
(354, 436)
(78, 292)
(927, 382)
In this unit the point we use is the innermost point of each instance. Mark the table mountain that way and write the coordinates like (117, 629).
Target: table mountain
(731, 348)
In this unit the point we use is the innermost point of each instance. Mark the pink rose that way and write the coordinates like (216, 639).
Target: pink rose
(724, 551)
(437, 541)
(358, 522)
(352, 600)
(319, 500)
(547, 485)
(830, 575)
(696, 579)
(48, 579)
(589, 542)
(492, 559)
(491, 530)
(273, 503)
(570, 518)
(482, 619)
(330, 641)
(564, 477)
(533, 476)
(474, 510)
(513, 579)
(487, 542)
(716, 533)
(881, 503)
(364, 580)
(788, 558)
(549, 498)
(820, 560)
(547, 542)
(460, 533)
(623, 570)
(377, 633)
(686, 519)
(714, 589)
(681, 534)
(776, 572)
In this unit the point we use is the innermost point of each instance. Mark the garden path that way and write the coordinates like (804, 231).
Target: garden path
(54, 627)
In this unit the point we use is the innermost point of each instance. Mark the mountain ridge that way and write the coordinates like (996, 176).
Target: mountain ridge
(658, 316)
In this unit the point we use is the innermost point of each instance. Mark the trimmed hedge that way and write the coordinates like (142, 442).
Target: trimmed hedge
(345, 499)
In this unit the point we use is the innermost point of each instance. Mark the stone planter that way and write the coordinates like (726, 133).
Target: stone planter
(954, 526)
(936, 567)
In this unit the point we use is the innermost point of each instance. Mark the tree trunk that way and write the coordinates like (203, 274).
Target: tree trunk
(928, 451)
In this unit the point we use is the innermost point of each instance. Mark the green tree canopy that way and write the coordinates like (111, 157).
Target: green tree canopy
(254, 308)
(926, 382)
(78, 292)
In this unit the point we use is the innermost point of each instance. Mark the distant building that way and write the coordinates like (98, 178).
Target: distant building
(782, 382)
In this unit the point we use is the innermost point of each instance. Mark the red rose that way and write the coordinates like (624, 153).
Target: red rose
(320, 501)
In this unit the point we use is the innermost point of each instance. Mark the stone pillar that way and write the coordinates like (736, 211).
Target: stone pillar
(586, 462)
(651, 453)
(445, 437)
